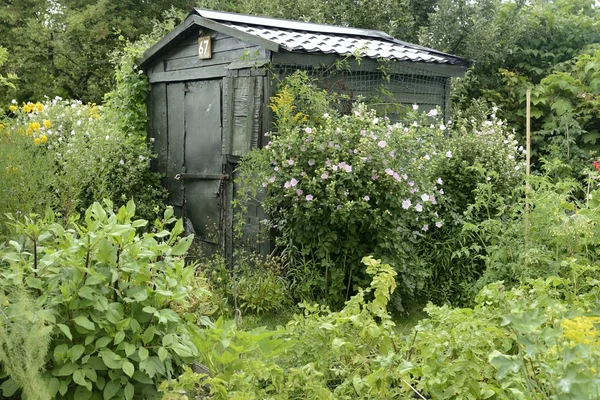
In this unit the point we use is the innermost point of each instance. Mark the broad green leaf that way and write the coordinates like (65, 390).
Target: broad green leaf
(102, 342)
(65, 330)
(76, 352)
(143, 353)
(53, 386)
(128, 368)
(9, 387)
(68, 369)
(148, 335)
(119, 336)
(182, 246)
(129, 391)
(162, 353)
(129, 349)
(84, 322)
(111, 389)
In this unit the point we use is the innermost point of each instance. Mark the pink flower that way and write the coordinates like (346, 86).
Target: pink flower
(425, 228)
(419, 207)
(374, 177)
(438, 224)
(308, 130)
(397, 177)
(335, 168)
(276, 169)
(330, 144)
(293, 182)
(348, 168)
(367, 198)
(405, 177)
(406, 204)
(389, 171)
(382, 143)
(264, 184)
(266, 134)
(449, 154)
(392, 154)
(328, 163)
(272, 179)
(440, 181)
(425, 197)
(287, 185)
(290, 162)
(325, 175)
(309, 197)
(299, 192)
(411, 184)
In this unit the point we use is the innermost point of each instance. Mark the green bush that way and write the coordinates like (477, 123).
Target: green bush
(64, 155)
(120, 304)
(348, 186)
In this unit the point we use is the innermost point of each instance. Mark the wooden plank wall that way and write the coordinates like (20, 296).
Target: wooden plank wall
(182, 63)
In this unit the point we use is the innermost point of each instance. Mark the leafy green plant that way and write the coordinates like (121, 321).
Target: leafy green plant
(347, 186)
(111, 297)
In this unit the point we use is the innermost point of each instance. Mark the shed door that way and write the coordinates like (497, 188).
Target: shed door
(203, 162)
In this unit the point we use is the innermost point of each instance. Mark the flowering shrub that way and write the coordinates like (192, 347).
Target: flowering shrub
(64, 155)
(350, 186)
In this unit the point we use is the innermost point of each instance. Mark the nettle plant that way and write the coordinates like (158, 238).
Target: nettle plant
(349, 186)
(120, 304)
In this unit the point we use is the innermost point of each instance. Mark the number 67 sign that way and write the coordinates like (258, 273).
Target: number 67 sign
(204, 47)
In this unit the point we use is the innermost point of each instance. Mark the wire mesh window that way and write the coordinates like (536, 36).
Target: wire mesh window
(391, 89)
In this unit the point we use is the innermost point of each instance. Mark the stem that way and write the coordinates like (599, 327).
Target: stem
(116, 286)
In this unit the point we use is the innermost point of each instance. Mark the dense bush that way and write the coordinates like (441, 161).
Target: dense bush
(64, 155)
(341, 186)
(121, 306)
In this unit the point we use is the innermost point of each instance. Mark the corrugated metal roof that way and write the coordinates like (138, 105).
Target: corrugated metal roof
(328, 39)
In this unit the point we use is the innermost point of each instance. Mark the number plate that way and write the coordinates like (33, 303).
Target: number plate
(204, 47)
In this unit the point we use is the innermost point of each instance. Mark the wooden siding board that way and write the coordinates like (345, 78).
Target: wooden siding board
(215, 71)
(218, 58)
(159, 130)
(218, 46)
(228, 104)
(176, 123)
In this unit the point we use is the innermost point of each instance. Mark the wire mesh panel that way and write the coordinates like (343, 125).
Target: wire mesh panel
(390, 87)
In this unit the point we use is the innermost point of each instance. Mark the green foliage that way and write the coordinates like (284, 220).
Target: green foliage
(65, 155)
(254, 285)
(120, 304)
(60, 48)
(350, 354)
(347, 186)
(479, 181)
(24, 342)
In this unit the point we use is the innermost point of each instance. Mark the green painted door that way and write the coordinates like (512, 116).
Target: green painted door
(203, 166)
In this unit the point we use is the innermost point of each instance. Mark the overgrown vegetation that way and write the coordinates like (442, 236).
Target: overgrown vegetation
(371, 219)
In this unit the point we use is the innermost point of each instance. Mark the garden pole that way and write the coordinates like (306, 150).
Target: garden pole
(527, 166)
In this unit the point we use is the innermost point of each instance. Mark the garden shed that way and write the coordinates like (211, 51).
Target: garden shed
(211, 80)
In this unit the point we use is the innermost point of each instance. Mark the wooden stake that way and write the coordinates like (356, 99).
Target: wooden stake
(527, 166)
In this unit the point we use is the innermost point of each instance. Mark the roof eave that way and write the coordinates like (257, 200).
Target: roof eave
(194, 20)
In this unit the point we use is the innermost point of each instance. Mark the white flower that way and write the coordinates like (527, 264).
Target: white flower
(449, 154)
(326, 115)
(375, 121)
(14, 101)
(415, 107)
(425, 197)
(121, 162)
(443, 127)
(107, 137)
(432, 113)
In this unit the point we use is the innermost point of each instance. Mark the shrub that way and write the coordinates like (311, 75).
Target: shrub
(65, 155)
(350, 186)
(120, 304)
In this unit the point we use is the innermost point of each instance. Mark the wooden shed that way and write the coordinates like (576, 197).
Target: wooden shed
(211, 85)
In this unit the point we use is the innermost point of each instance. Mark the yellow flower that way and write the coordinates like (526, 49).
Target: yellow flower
(582, 330)
(28, 107)
(35, 126)
(44, 139)
(37, 141)
(13, 108)
(39, 106)
(47, 124)
(29, 131)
